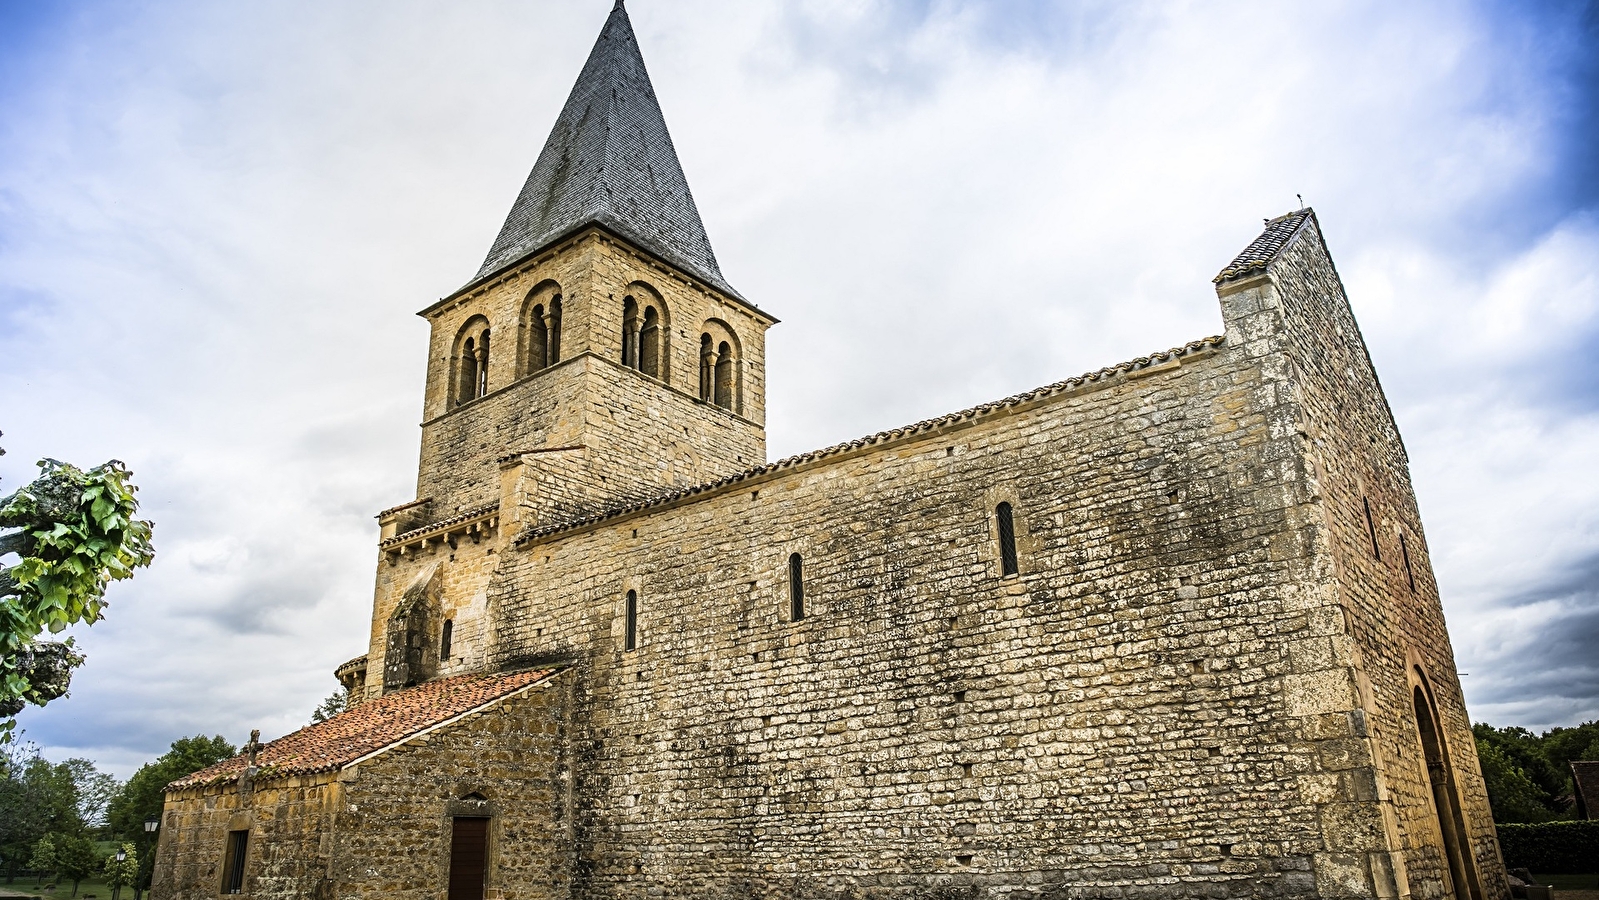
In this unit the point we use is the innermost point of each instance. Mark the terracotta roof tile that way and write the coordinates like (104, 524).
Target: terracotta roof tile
(1265, 248)
(375, 724)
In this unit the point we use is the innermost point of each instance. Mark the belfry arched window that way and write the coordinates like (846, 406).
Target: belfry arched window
(644, 332)
(470, 363)
(540, 329)
(720, 372)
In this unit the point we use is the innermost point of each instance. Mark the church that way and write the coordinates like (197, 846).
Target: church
(1164, 630)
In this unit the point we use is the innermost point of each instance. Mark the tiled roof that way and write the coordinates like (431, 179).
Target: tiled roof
(474, 513)
(375, 724)
(630, 506)
(610, 161)
(1265, 248)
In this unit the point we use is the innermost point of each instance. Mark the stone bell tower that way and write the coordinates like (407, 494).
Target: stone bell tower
(597, 356)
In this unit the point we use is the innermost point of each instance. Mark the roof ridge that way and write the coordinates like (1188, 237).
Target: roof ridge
(1265, 247)
(673, 494)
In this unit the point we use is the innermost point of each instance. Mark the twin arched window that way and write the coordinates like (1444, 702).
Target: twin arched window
(644, 337)
(719, 372)
(541, 329)
(470, 363)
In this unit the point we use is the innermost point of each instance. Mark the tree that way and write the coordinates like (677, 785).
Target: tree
(36, 799)
(337, 702)
(121, 873)
(95, 790)
(43, 860)
(76, 858)
(75, 533)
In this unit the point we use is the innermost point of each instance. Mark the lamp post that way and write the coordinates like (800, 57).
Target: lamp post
(150, 826)
(122, 857)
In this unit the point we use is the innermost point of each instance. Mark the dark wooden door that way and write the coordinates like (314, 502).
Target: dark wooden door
(469, 858)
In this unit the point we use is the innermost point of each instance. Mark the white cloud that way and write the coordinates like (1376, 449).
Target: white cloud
(216, 220)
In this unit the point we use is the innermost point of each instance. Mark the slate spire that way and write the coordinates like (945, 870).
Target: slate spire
(609, 160)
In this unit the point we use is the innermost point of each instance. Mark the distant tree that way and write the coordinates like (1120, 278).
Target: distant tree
(1529, 775)
(76, 858)
(75, 533)
(36, 798)
(120, 874)
(141, 797)
(95, 790)
(43, 860)
(337, 702)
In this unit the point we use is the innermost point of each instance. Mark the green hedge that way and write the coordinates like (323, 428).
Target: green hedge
(1554, 848)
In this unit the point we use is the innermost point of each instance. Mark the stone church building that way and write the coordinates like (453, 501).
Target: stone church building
(1164, 630)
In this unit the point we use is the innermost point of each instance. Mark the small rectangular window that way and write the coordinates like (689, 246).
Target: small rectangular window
(630, 625)
(1404, 552)
(1371, 529)
(233, 862)
(469, 857)
(444, 640)
(796, 588)
(1007, 539)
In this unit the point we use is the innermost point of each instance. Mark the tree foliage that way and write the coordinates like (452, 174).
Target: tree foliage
(76, 858)
(121, 873)
(337, 702)
(75, 532)
(40, 799)
(1529, 775)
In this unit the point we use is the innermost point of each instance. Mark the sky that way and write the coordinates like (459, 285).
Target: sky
(217, 221)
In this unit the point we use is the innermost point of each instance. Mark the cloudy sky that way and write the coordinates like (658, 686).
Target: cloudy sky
(217, 220)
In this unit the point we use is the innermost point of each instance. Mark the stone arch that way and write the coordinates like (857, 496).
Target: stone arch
(646, 331)
(721, 366)
(1438, 776)
(469, 362)
(538, 324)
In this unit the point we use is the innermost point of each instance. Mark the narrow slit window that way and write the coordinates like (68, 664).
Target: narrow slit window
(1007, 539)
(1404, 553)
(445, 638)
(1371, 529)
(796, 587)
(630, 622)
(233, 862)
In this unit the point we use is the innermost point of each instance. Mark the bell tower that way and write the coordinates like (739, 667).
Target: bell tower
(598, 356)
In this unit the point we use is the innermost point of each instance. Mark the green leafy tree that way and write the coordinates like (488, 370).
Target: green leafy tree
(76, 858)
(337, 702)
(1512, 793)
(36, 798)
(43, 860)
(75, 533)
(121, 873)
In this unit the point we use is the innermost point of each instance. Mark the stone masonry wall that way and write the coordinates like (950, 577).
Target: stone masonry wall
(381, 829)
(1395, 622)
(287, 856)
(645, 432)
(1121, 719)
(393, 832)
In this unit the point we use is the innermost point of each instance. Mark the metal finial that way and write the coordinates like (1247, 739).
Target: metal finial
(1300, 196)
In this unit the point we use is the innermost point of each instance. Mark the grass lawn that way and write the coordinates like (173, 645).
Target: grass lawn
(89, 887)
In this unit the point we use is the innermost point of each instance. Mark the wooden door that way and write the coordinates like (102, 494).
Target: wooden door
(469, 857)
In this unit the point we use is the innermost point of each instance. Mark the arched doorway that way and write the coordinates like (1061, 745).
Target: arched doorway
(1445, 798)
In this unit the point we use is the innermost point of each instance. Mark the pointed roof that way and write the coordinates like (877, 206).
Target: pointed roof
(610, 161)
